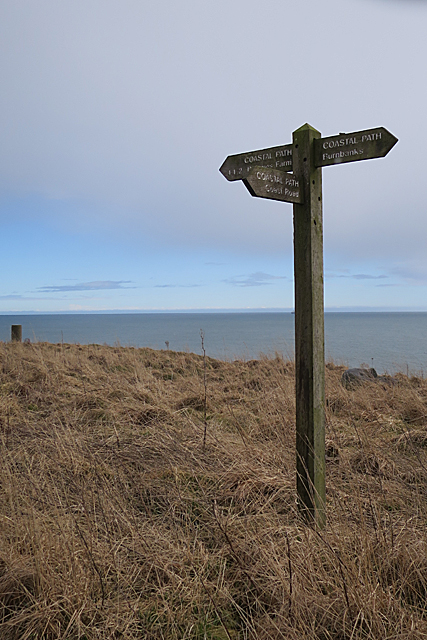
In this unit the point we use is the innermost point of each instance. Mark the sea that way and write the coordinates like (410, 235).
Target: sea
(390, 342)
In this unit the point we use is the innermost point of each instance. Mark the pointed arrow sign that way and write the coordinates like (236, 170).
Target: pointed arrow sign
(349, 147)
(238, 166)
(273, 184)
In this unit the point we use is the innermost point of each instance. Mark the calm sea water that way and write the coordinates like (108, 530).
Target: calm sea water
(388, 341)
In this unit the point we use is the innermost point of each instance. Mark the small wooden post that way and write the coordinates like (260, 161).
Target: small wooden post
(16, 333)
(309, 329)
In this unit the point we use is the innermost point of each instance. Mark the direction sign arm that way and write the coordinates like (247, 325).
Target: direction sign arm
(238, 166)
(273, 184)
(351, 147)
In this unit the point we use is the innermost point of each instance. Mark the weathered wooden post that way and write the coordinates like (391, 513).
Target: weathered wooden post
(263, 173)
(16, 333)
(309, 329)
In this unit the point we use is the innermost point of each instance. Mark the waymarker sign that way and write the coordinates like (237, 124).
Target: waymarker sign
(266, 174)
(349, 147)
(238, 167)
(274, 184)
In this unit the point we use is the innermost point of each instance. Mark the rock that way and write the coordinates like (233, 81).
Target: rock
(356, 376)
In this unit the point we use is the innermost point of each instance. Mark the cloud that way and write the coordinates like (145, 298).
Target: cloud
(364, 276)
(98, 285)
(14, 296)
(176, 286)
(389, 285)
(413, 272)
(357, 276)
(257, 279)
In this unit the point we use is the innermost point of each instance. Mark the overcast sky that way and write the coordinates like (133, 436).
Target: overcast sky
(116, 117)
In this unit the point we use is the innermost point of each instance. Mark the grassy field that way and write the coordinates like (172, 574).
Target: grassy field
(118, 521)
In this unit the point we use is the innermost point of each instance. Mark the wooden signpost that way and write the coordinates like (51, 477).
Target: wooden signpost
(306, 156)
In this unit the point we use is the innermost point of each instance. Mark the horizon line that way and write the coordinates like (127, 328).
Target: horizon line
(332, 309)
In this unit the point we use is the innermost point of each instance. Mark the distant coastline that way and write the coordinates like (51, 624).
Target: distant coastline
(189, 311)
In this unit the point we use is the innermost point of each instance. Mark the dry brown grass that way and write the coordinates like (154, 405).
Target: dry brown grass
(116, 523)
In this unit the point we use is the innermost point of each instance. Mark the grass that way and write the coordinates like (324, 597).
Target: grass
(116, 521)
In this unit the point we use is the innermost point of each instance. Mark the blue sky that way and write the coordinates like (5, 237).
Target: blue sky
(117, 116)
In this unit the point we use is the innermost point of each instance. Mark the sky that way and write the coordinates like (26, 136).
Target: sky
(115, 119)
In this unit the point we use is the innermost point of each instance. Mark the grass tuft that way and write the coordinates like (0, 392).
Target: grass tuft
(123, 516)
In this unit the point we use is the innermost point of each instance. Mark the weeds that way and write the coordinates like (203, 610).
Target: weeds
(117, 521)
(205, 389)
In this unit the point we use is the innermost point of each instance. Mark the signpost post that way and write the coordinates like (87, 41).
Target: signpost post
(264, 178)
